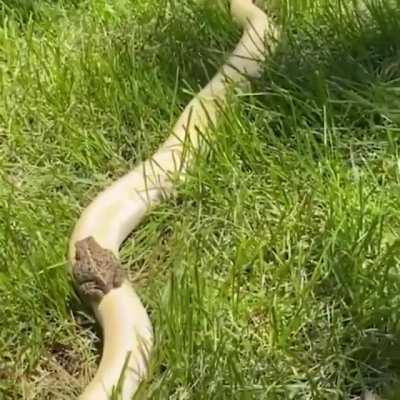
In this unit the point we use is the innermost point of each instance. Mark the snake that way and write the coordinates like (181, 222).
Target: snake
(103, 226)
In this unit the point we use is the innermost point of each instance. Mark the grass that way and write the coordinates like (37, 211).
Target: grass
(274, 273)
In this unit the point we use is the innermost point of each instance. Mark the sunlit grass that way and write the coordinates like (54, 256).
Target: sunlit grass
(274, 272)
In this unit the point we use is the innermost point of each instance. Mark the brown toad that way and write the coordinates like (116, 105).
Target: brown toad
(96, 270)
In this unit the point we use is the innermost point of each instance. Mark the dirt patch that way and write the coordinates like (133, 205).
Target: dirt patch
(61, 374)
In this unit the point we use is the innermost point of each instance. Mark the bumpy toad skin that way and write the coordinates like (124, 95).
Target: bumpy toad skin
(96, 270)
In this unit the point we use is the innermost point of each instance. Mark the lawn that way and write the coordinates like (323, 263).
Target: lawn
(274, 271)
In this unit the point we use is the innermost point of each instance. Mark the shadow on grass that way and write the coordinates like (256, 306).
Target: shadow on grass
(341, 72)
(339, 63)
(25, 10)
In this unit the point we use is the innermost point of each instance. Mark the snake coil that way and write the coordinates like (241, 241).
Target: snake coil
(115, 212)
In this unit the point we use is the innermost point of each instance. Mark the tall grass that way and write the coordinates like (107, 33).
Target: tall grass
(273, 274)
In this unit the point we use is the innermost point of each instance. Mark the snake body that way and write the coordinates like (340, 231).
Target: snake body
(115, 212)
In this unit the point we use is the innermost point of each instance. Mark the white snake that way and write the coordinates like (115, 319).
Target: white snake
(114, 213)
